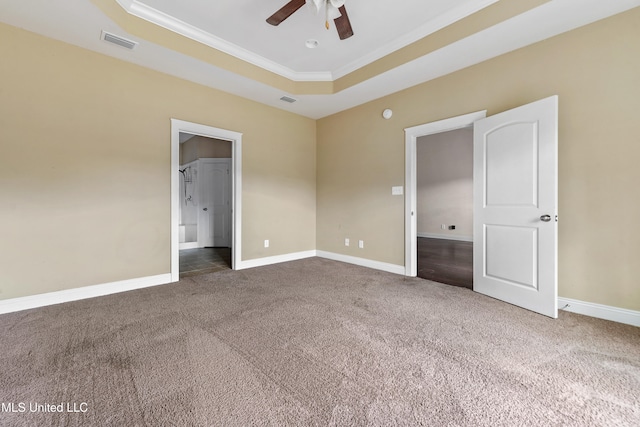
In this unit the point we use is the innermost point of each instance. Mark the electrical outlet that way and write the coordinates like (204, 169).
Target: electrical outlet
(443, 226)
(346, 241)
(266, 243)
(361, 244)
(452, 227)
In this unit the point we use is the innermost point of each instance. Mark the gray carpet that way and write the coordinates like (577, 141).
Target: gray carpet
(314, 342)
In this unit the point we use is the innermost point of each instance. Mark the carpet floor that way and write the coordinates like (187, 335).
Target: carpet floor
(313, 342)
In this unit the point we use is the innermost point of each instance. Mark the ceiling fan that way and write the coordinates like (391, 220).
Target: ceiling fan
(334, 9)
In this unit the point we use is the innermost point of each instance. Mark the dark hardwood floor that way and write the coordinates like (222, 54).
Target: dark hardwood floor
(446, 261)
(194, 262)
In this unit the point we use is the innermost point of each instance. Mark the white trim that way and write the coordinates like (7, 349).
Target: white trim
(175, 25)
(411, 138)
(164, 20)
(376, 265)
(607, 312)
(276, 259)
(236, 202)
(178, 126)
(440, 22)
(446, 237)
(68, 295)
(189, 245)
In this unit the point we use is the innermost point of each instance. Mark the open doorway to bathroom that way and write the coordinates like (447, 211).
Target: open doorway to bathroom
(205, 213)
(444, 191)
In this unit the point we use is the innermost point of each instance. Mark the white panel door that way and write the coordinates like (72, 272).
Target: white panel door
(515, 206)
(215, 202)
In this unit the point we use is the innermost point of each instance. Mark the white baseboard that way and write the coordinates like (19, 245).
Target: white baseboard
(363, 262)
(67, 295)
(188, 245)
(259, 262)
(447, 237)
(607, 312)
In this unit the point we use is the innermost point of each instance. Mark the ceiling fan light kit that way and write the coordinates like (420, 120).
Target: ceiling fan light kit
(334, 9)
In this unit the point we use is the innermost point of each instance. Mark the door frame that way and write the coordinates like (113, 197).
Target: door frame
(235, 138)
(410, 218)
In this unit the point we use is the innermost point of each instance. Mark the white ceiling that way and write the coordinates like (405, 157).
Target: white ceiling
(239, 27)
(380, 27)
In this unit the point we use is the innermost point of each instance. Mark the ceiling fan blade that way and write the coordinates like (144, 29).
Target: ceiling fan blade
(343, 25)
(285, 12)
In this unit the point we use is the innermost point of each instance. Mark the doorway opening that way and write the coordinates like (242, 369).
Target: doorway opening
(444, 188)
(515, 199)
(411, 165)
(205, 199)
(205, 204)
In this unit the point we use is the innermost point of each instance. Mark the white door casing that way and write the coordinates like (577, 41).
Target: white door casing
(235, 138)
(515, 206)
(411, 200)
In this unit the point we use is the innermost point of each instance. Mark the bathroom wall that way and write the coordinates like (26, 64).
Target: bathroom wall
(189, 202)
(445, 184)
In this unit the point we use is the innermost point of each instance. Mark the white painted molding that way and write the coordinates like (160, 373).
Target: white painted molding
(276, 259)
(178, 126)
(175, 25)
(157, 17)
(188, 245)
(363, 262)
(441, 21)
(446, 237)
(68, 295)
(410, 179)
(607, 312)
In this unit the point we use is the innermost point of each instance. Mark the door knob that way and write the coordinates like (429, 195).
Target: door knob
(206, 209)
(545, 218)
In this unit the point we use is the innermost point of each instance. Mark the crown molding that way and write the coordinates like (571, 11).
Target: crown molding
(421, 32)
(148, 13)
(142, 11)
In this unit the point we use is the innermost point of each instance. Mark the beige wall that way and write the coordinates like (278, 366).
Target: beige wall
(85, 167)
(444, 181)
(594, 70)
(84, 161)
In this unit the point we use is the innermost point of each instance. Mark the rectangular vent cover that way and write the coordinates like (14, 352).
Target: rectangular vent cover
(288, 99)
(120, 41)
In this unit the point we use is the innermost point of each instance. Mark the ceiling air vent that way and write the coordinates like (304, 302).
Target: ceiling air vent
(288, 99)
(120, 41)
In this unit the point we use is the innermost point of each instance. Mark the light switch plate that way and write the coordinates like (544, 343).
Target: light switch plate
(397, 191)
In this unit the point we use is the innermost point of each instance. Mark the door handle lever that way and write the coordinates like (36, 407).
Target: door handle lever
(545, 218)
(206, 209)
